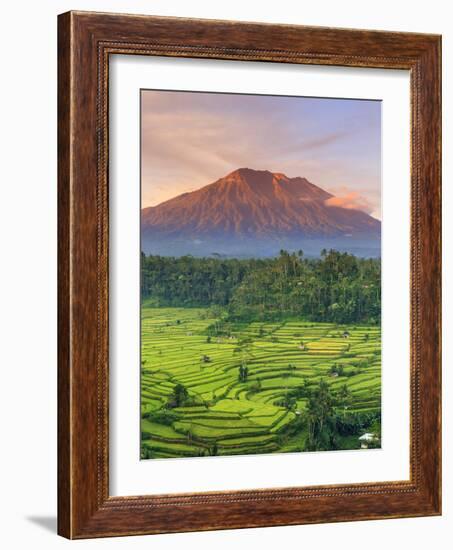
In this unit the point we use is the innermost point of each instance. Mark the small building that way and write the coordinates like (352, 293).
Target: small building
(366, 439)
(346, 334)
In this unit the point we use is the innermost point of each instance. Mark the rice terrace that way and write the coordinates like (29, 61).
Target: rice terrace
(215, 383)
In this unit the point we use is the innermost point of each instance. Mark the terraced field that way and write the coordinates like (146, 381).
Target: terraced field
(227, 415)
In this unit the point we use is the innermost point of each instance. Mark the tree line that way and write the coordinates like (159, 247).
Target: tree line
(337, 287)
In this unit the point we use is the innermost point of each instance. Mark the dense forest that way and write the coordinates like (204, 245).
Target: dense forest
(337, 287)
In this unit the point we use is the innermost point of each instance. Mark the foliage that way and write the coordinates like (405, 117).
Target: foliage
(338, 287)
(321, 419)
(356, 423)
(243, 373)
(180, 396)
(161, 417)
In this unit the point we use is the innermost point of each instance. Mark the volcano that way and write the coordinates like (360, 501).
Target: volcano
(256, 213)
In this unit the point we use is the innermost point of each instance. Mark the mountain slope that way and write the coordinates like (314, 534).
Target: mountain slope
(252, 204)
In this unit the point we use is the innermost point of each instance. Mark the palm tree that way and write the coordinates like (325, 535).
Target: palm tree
(345, 397)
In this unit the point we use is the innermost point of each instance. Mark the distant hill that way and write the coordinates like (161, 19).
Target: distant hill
(256, 213)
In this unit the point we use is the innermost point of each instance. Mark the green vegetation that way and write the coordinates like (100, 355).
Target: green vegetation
(259, 355)
(215, 383)
(336, 288)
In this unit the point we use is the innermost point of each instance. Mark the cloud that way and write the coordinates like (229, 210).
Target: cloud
(352, 201)
(323, 141)
(191, 139)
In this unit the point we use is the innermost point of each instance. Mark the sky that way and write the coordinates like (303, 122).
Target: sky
(191, 139)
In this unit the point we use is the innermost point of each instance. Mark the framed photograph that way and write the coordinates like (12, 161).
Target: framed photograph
(249, 275)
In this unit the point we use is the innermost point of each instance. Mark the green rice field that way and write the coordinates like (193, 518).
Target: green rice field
(222, 414)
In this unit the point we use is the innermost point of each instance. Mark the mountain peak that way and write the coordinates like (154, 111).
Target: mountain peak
(246, 173)
(280, 176)
(262, 177)
(265, 182)
(256, 204)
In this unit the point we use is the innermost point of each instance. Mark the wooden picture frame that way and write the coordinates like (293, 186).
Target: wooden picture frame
(85, 42)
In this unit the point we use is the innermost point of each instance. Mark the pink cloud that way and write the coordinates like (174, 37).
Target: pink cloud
(352, 201)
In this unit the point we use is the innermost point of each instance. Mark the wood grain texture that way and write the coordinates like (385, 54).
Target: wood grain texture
(86, 40)
(64, 370)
